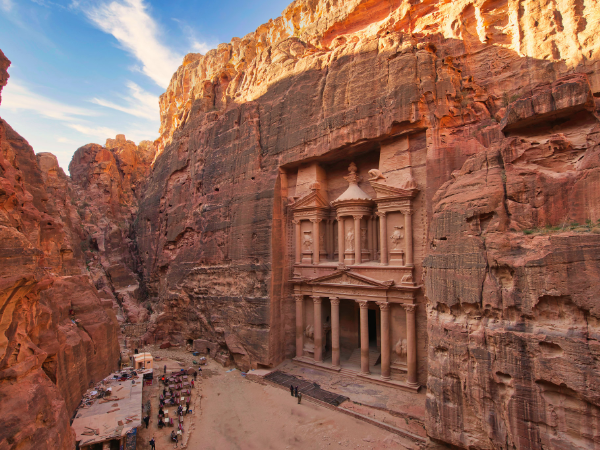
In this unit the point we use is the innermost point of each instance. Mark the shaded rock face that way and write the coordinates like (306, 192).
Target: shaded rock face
(46, 360)
(108, 182)
(512, 282)
(505, 92)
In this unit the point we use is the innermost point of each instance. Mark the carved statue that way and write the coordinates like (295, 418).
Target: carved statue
(307, 240)
(350, 241)
(321, 241)
(400, 347)
(309, 332)
(397, 236)
(375, 175)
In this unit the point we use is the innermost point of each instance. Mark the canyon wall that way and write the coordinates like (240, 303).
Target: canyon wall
(58, 335)
(505, 93)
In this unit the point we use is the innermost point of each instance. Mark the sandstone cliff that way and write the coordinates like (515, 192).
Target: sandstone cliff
(505, 96)
(108, 182)
(57, 334)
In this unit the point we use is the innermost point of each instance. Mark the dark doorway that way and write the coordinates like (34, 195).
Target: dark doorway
(372, 327)
(115, 445)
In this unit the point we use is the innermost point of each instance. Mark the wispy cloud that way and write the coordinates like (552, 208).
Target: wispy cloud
(6, 5)
(196, 44)
(139, 103)
(18, 97)
(97, 132)
(131, 24)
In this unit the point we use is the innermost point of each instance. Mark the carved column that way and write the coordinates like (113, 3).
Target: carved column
(383, 238)
(299, 325)
(341, 233)
(370, 237)
(357, 248)
(411, 345)
(318, 324)
(298, 241)
(385, 340)
(364, 337)
(316, 240)
(335, 331)
(329, 239)
(408, 237)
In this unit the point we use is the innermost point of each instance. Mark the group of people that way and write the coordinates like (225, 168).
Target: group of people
(171, 397)
(295, 393)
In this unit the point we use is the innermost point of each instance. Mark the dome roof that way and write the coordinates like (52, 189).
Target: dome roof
(354, 192)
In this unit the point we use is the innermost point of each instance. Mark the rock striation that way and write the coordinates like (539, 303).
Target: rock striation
(57, 335)
(108, 183)
(501, 101)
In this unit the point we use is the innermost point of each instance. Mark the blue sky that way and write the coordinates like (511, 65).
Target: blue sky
(85, 70)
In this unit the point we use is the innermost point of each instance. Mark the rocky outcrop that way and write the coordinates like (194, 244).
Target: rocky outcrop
(511, 280)
(108, 182)
(56, 334)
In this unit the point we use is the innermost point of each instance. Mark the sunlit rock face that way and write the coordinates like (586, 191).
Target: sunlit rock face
(505, 95)
(108, 181)
(56, 333)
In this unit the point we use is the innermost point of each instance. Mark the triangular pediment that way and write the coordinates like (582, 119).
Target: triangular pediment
(386, 191)
(345, 278)
(312, 200)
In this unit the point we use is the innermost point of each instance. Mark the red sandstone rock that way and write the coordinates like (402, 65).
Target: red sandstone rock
(46, 361)
(501, 102)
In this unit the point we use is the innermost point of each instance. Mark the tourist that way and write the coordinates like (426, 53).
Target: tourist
(165, 368)
(192, 384)
(291, 390)
(174, 437)
(152, 443)
(147, 420)
(296, 391)
(299, 397)
(160, 422)
(161, 412)
(195, 374)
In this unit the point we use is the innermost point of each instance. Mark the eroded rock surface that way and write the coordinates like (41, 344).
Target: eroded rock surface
(109, 181)
(57, 335)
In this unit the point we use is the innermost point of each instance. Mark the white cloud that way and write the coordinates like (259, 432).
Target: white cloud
(140, 103)
(195, 44)
(6, 5)
(18, 97)
(98, 132)
(200, 47)
(129, 22)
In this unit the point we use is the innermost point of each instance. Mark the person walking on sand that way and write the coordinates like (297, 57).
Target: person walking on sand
(296, 391)
(165, 368)
(146, 420)
(292, 390)
(152, 443)
(299, 397)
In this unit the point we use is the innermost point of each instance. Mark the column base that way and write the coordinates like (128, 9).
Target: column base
(413, 384)
(336, 367)
(385, 378)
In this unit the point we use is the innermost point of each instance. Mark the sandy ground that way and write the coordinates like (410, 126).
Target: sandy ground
(235, 413)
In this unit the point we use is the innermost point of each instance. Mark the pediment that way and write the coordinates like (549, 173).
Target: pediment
(386, 191)
(312, 200)
(348, 278)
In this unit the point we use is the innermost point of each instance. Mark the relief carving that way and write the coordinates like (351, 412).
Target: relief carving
(350, 241)
(397, 236)
(307, 241)
(400, 347)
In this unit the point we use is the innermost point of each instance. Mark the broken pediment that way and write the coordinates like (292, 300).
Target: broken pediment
(344, 277)
(386, 191)
(314, 199)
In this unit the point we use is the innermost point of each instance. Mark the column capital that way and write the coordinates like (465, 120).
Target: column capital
(409, 307)
(299, 297)
(334, 300)
(296, 221)
(317, 220)
(364, 304)
(357, 216)
(316, 298)
(380, 213)
(384, 306)
(407, 212)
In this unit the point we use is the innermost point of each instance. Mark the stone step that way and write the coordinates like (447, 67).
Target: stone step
(355, 357)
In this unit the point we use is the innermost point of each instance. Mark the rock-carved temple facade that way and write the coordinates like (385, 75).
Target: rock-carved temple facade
(353, 273)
